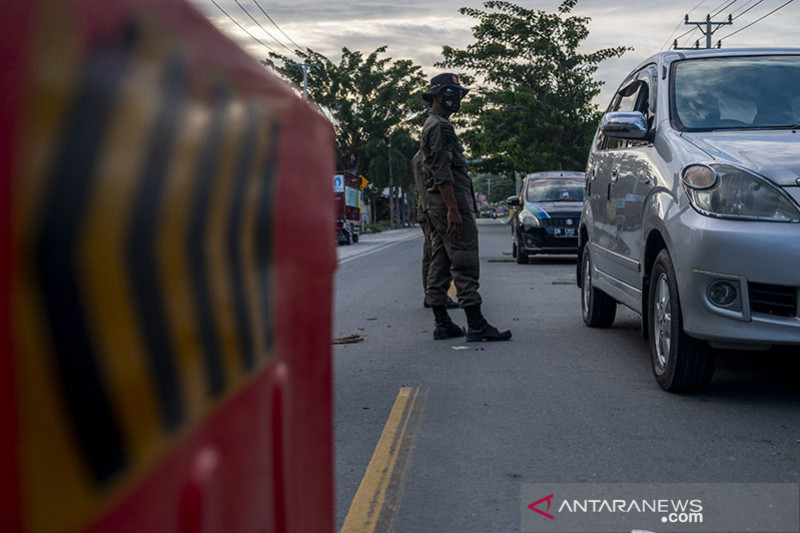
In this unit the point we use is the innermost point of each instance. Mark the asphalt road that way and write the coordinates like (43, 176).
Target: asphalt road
(560, 402)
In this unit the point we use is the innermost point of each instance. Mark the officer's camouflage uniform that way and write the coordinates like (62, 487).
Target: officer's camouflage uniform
(444, 163)
(422, 216)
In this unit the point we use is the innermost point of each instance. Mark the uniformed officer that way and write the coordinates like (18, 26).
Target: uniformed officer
(451, 211)
(422, 219)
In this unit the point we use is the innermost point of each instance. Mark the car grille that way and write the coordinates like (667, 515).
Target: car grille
(777, 300)
(561, 222)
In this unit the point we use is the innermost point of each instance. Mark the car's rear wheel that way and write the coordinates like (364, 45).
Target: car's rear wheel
(679, 361)
(599, 309)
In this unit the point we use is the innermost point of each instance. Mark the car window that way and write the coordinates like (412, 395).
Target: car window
(736, 93)
(629, 96)
(633, 96)
(554, 190)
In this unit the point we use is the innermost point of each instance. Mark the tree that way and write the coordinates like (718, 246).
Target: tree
(398, 149)
(535, 111)
(496, 187)
(370, 99)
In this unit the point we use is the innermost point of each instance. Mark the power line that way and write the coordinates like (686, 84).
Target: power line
(700, 3)
(711, 26)
(691, 36)
(262, 27)
(757, 20)
(276, 25)
(724, 8)
(741, 7)
(687, 32)
(720, 5)
(695, 7)
(670, 36)
(262, 43)
(748, 9)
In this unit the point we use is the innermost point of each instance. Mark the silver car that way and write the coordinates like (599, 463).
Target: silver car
(691, 214)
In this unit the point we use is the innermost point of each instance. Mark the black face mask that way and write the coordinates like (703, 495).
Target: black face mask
(451, 99)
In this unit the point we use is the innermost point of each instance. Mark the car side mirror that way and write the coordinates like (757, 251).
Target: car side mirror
(624, 125)
(513, 201)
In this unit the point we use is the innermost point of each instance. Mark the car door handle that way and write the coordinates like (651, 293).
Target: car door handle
(615, 173)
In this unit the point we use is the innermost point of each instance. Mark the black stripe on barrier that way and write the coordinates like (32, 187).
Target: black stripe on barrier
(141, 248)
(263, 242)
(198, 228)
(236, 213)
(63, 215)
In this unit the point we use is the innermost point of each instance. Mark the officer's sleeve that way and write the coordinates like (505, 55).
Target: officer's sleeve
(441, 142)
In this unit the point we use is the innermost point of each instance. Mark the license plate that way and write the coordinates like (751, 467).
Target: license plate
(564, 232)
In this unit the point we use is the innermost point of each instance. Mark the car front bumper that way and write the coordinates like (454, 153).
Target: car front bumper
(761, 258)
(543, 241)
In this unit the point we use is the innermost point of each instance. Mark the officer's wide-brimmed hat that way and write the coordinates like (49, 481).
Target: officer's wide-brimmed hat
(439, 82)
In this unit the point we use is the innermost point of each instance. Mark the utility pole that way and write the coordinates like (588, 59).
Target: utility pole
(708, 31)
(391, 187)
(489, 191)
(304, 67)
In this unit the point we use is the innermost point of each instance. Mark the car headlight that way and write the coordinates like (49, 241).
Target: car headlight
(528, 219)
(730, 192)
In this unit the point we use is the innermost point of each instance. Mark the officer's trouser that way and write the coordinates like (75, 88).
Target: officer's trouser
(426, 250)
(453, 257)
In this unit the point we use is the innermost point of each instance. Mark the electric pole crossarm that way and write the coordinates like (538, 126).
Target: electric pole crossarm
(705, 27)
(304, 67)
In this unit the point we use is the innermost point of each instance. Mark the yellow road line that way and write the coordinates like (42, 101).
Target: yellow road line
(377, 501)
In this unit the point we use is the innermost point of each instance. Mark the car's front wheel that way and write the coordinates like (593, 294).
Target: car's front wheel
(599, 309)
(679, 361)
(521, 257)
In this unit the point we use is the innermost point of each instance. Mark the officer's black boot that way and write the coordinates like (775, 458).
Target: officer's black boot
(445, 327)
(480, 329)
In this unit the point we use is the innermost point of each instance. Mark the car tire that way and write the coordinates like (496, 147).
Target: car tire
(680, 363)
(521, 257)
(598, 308)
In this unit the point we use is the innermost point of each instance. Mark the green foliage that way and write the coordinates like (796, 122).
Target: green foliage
(377, 153)
(502, 186)
(368, 98)
(535, 112)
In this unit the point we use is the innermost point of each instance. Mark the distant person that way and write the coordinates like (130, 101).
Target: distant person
(451, 211)
(422, 219)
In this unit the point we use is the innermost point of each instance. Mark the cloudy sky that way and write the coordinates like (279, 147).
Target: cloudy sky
(417, 29)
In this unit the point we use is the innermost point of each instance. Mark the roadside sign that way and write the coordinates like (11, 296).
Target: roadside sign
(352, 197)
(338, 183)
(364, 181)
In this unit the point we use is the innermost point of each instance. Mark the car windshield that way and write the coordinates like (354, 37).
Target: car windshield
(554, 190)
(760, 92)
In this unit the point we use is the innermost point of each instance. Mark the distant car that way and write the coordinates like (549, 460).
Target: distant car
(692, 211)
(546, 215)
